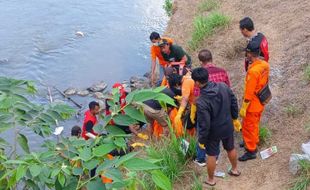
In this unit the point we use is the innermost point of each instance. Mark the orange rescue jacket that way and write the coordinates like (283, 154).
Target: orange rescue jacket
(156, 53)
(256, 78)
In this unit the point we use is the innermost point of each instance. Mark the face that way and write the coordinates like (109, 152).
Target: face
(244, 32)
(198, 84)
(165, 49)
(249, 56)
(95, 111)
(155, 42)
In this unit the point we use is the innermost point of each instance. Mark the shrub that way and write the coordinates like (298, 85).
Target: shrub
(205, 26)
(208, 5)
(264, 134)
(197, 185)
(168, 6)
(303, 180)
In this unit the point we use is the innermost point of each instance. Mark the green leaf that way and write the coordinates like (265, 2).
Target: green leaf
(161, 180)
(113, 130)
(124, 120)
(96, 184)
(103, 149)
(159, 89)
(55, 172)
(23, 142)
(35, 170)
(20, 172)
(114, 174)
(91, 164)
(142, 96)
(77, 171)
(125, 158)
(15, 162)
(62, 179)
(166, 99)
(85, 154)
(135, 113)
(120, 142)
(5, 126)
(138, 164)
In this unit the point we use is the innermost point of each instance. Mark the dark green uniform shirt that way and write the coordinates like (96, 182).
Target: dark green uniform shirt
(176, 55)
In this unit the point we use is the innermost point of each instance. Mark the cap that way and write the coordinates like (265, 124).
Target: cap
(253, 47)
(162, 42)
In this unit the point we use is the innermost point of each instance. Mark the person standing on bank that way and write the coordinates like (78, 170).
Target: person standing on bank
(256, 80)
(247, 30)
(217, 108)
(90, 120)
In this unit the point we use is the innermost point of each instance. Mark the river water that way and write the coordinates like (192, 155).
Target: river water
(38, 40)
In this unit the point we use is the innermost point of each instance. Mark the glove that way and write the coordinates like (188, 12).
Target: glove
(178, 98)
(193, 113)
(134, 145)
(143, 136)
(177, 119)
(243, 109)
(237, 125)
(201, 146)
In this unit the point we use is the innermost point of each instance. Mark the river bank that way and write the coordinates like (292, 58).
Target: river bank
(285, 25)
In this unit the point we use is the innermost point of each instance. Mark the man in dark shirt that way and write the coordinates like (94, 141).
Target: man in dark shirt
(153, 111)
(217, 107)
(175, 56)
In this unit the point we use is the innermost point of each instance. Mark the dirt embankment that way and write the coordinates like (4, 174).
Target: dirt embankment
(286, 24)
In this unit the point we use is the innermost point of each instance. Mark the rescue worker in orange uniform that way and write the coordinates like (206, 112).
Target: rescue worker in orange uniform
(251, 110)
(184, 87)
(156, 53)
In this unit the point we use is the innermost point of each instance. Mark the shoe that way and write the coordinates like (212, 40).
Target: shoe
(247, 156)
(199, 163)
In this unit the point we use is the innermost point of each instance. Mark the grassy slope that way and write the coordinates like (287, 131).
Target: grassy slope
(286, 25)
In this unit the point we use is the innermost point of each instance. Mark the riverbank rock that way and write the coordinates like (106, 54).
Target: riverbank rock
(147, 75)
(70, 91)
(99, 95)
(99, 87)
(83, 93)
(139, 83)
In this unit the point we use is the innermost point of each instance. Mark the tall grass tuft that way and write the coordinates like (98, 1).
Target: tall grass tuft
(205, 26)
(303, 180)
(197, 185)
(168, 6)
(208, 5)
(264, 134)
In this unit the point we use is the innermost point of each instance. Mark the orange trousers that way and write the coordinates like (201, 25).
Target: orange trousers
(158, 129)
(250, 130)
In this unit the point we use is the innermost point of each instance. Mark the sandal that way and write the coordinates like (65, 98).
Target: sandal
(210, 184)
(234, 174)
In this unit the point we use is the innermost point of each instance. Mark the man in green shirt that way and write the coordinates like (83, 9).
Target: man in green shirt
(175, 56)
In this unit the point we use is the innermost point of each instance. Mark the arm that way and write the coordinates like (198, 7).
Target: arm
(181, 63)
(203, 119)
(234, 105)
(153, 66)
(89, 129)
(251, 82)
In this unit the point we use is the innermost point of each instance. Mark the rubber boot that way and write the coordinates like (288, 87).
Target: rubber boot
(248, 155)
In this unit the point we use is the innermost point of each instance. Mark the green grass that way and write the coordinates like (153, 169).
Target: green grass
(307, 72)
(173, 160)
(197, 185)
(293, 110)
(264, 134)
(168, 7)
(208, 5)
(303, 180)
(205, 26)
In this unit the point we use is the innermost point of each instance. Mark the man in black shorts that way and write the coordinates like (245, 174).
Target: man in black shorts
(217, 107)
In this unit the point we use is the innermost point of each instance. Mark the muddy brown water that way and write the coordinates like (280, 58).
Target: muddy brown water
(38, 42)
